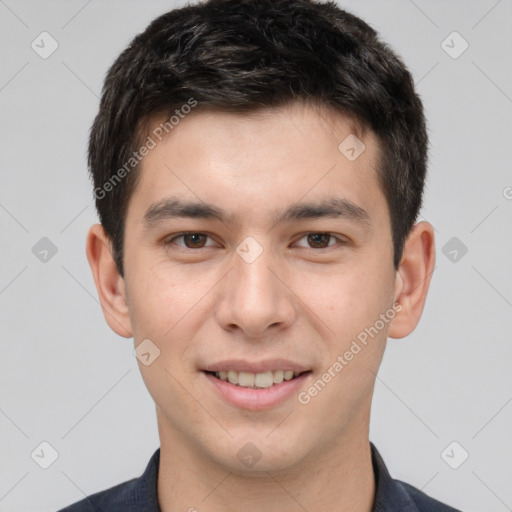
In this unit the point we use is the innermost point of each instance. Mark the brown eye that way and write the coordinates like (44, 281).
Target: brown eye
(319, 240)
(195, 239)
(190, 240)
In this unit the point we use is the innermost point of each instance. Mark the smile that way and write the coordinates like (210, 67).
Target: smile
(256, 380)
(256, 391)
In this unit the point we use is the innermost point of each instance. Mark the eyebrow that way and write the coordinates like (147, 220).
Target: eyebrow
(172, 208)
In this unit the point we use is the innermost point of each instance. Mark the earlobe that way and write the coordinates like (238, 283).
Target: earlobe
(413, 279)
(109, 284)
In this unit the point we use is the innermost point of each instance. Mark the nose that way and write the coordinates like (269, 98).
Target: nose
(254, 299)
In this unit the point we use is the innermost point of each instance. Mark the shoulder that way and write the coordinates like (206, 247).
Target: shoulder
(115, 498)
(135, 495)
(391, 494)
(422, 501)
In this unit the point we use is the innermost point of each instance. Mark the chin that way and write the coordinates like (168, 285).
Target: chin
(259, 453)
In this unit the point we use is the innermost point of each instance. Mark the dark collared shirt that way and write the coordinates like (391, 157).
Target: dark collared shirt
(140, 494)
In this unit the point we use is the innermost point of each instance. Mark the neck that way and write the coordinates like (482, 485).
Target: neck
(337, 479)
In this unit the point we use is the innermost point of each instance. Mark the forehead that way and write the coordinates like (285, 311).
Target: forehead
(252, 165)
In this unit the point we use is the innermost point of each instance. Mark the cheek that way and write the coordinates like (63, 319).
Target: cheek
(350, 305)
(169, 307)
(160, 298)
(346, 300)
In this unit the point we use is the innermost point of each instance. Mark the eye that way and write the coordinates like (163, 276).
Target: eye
(320, 240)
(191, 240)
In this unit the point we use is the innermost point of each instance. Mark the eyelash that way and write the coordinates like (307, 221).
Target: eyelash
(170, 241)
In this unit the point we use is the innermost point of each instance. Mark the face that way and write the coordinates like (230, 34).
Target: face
(256, 249)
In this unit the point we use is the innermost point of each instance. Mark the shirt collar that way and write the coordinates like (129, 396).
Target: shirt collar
(389, 494)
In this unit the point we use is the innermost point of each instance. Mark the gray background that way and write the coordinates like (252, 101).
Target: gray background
(66, 379)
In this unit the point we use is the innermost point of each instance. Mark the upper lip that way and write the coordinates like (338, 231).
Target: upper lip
(267, 365)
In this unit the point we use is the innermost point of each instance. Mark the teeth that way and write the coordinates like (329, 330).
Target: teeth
(246, 379)
(256, 380)
(278, 376)
(264, 380)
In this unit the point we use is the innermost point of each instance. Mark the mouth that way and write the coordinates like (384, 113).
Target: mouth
(262, 380)
(265, 387)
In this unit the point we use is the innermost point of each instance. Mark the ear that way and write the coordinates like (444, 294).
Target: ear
(413, 279)
(109, 283)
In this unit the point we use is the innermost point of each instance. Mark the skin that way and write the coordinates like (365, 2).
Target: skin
(297, 300)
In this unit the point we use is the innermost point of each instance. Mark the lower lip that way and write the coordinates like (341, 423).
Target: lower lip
(257, 399)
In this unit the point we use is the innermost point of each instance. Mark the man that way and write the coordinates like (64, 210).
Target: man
(258, 169)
